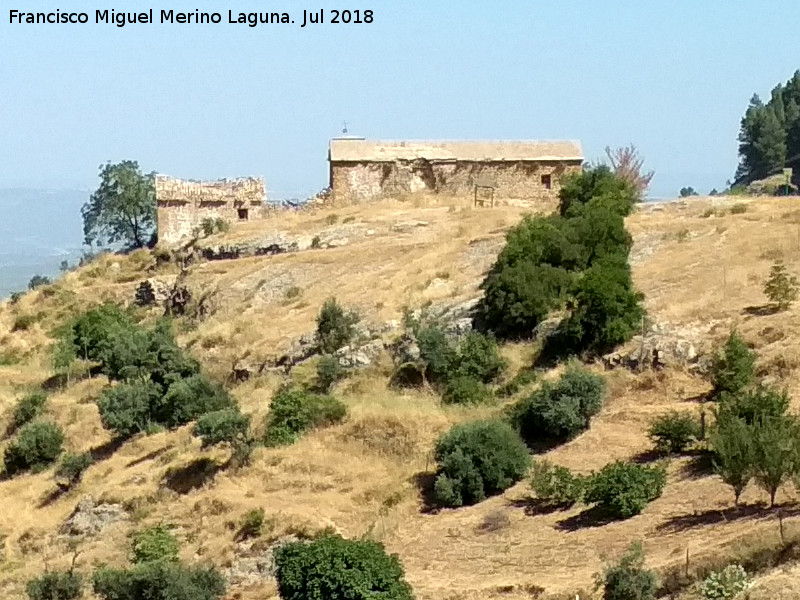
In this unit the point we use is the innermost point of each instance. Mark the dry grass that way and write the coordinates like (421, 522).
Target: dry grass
(701, 275)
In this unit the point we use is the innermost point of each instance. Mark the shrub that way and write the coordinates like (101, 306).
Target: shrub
(335, 326)
(251, 524)
(28, 408)
(329, 371)
(333, 567)
(223, 426)
(477, 460)
(436, 352)
(753, 404)
(55, 585)
(38, 281)
(674, 431)
(479, 358)
(23, 322)
(294, 411)
(555, 485)
(726, 583)
(189, 398)
(628, 579)
(72, 467)
(739, 208)
(733, 368)
(36, 446)
(781, 287)
(155, 543)
(520, 380)
(599, 181)
(558, 412)
(159, 580)
(623, 489)
(91, 331)
(127, 409)
(464, 390)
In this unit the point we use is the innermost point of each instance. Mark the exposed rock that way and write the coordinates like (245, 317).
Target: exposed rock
(90, 518)
(653, 350)
(459, 327)
(335, 243)
(363, 356)
(253, 568)
(153, 291)
(407, 226)
(546, 328)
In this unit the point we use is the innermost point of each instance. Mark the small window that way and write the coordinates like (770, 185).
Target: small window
(547, 181)
(242, 212)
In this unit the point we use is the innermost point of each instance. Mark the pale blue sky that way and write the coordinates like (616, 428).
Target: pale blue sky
(198, 101)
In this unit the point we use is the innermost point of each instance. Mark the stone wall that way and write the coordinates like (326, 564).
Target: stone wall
(183, 205)
(519, 183)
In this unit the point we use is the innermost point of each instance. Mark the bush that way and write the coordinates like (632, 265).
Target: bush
(726, 584)
(329, 371)
(91, 331)
(251, 524)
(753, 404)
(333, 567)
(477, 460)
(55, 585)
(294, 411)
(464, 390)
(127, 409)
(159, 580)
(38, 281)
(36, 446)
(335, 327)
(437, 353)
(599, 181)
(520, 380)
(628, 579)
(23, 322)
(558, 412)
(223, 426)
(556, 486)
(189, 398)
(674, 431)
(72, 467)
(155, 543)
(28, 408)
(781, 288)
(733, 369)
(479, 358)
(623, 489)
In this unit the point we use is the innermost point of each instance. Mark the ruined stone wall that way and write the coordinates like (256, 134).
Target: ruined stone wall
(516, 183)
(183, 205)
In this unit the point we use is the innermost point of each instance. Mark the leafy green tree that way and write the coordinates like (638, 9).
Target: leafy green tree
(776, 452)
(753, 404)
(127, 409)
(156, 543)
(478, 460)
(159, 580)
(36, 446)
(686, 192)
(734, 367)
(223, 426)
(781, 287)
(333, 567)
(189, 398)
(628, 579)
(623, 489)
(557, 486)
(479, 358)
(335, 326)
(122, 209)
(329, 371)
(731, 441)
(55, 585)
(598, 181)
(38, 281)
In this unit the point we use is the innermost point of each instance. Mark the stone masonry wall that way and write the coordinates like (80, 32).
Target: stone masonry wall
(515, 183)
(183, 205)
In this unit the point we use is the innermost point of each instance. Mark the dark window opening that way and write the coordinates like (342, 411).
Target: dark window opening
(547, 181)
(242, 212)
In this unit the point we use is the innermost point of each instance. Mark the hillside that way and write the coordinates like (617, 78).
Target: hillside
(700, 265)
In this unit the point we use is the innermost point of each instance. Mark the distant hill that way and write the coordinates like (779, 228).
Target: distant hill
(38, 229)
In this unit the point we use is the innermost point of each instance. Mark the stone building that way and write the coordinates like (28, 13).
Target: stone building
(524, 173)
(182, 205)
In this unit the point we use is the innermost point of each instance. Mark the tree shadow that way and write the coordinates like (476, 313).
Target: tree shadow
(60, 381)
(106, 450)
(533, 507)
(701, 464)
(148, 456)
(648, 456)
(699, 398)
(764, 310)
(191, 476)
(424, 482)
(53, 496)
(682, 523)
(594, 516)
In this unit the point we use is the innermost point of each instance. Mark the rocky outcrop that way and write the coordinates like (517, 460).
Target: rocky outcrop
(90, 518)
(657, 348)
(153, 291)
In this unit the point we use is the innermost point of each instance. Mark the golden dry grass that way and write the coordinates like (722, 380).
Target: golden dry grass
(700, 274)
